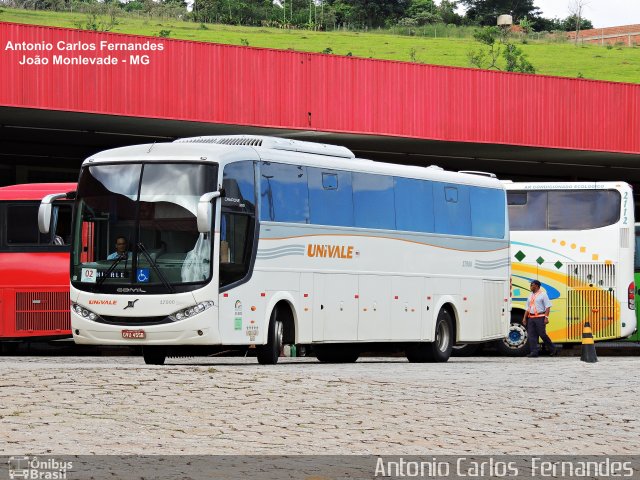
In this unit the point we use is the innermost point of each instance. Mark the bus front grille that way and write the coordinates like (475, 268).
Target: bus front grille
(42, 311)
(591, 296)
(133, 321)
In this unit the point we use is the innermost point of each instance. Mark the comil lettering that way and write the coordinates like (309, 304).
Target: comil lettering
(329, 251)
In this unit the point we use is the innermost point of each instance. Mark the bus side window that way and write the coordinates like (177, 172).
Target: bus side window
(22, 225)
(237, 221)
(224, 244)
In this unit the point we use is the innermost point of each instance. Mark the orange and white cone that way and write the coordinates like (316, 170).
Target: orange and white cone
(588, 345)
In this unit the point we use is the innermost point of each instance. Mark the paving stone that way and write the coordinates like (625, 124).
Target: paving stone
(103, 405)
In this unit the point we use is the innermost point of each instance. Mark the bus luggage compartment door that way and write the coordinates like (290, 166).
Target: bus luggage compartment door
(336, 306)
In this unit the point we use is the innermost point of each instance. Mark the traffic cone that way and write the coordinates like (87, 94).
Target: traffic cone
(588, 346)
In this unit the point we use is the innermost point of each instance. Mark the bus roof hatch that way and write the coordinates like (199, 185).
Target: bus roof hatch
(273, 143)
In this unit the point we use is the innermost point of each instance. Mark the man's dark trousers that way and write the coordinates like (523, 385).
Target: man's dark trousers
(537, 328)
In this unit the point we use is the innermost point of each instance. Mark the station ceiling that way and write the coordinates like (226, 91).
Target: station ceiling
(55, 140)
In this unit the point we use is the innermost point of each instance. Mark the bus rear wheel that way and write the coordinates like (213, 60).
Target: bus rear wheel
(154, 355)
(268, 354)
(516, 343)
(440, 349)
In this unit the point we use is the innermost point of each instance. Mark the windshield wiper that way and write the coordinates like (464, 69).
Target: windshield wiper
(113, 266)
(155, 267)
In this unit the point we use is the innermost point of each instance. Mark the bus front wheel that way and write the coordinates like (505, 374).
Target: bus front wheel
(516, 343)
(268, 354)
(154, 355)
(438, 350)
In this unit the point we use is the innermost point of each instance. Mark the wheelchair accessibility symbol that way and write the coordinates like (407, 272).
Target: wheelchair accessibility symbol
(143, 275)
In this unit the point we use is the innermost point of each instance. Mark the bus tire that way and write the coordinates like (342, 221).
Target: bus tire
(154, 355)
(440, 349)
(268, 354)
(516, 343)
(336, 353)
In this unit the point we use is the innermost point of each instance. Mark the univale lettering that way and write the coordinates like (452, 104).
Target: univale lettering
(329, 251)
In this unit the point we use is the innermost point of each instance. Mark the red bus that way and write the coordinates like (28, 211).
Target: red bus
(34, 267)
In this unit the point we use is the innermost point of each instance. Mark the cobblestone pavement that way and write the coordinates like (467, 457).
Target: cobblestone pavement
(118, 405)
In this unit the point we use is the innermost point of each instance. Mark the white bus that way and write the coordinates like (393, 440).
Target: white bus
(259, 241)
(577, 239)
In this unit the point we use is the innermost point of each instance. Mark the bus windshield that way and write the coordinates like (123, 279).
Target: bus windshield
(562, 209)
(136, 225)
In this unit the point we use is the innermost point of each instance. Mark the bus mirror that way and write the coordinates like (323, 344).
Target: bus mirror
(44, 212)
(205, 211)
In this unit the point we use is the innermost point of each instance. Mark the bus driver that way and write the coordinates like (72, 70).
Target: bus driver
(121, 248)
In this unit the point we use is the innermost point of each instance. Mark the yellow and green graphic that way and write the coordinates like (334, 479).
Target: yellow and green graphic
(579, 291)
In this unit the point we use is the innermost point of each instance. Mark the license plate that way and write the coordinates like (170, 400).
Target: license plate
(133, 334)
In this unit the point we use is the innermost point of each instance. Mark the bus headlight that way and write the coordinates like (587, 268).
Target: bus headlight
(83, 312)
(191, 311)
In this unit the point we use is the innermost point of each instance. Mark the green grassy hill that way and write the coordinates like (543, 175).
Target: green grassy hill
(620, 64)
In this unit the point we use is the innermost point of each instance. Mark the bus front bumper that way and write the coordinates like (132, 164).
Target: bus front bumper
(201, 329)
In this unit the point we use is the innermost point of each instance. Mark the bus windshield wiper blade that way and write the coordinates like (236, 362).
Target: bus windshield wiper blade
(155, 267)
(113, 266)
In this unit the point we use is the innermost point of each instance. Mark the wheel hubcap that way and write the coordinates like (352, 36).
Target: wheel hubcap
(442, 337)
(516, 337)
(279, 335)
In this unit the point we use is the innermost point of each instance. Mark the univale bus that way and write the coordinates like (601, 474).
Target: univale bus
(577, 239)
(259, 241)
(34, 267)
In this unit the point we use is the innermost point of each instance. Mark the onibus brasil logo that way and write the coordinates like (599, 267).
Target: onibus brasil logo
(34, 468)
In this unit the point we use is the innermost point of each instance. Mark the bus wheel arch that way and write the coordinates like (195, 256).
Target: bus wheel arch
(286, 314)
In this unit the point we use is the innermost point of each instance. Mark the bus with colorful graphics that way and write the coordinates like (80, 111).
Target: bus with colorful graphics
(34, 283)
(261, 242)
(636, 268)
(577, 239)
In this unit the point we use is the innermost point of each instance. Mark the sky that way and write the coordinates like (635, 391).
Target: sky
(602, 13)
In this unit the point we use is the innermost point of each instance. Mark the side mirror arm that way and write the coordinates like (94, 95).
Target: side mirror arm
(205, 211)
(44, 212)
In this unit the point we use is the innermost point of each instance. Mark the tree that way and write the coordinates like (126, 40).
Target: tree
(569, 24)
(447, 11)
(516, 61)
(498, 44)
(548, 24)
(486, 12)
(423, 12)
(576, 9)
(370, 13)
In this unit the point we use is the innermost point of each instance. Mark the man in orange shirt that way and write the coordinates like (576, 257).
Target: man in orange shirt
(536, 318)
